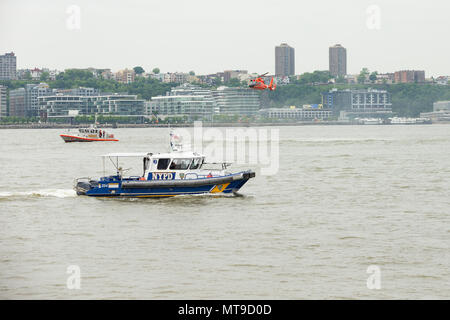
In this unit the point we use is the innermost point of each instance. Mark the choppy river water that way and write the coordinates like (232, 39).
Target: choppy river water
(344, 198)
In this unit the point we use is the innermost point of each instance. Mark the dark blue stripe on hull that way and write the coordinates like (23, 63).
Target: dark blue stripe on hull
(162, 192)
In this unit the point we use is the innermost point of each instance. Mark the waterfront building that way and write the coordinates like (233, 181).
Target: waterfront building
(236, 101)
(8, 66)
(409, 76)
(436, 116)
(3, 102)
(33, 92)
(284, 60)
(189, 89)
(24, 101)
(305, 114)
(441, 111)
(116, 104)
(441, 106)
(17, 103)
(361, 102)
(188, 105)
(83, 91)
(200, 102)
(189, 100)
(338, 60)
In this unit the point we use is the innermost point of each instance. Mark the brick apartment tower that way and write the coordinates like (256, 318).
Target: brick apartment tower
(284, 60)
(338, 61)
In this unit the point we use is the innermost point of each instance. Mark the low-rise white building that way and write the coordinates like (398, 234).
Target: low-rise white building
(441, 111)
(296, 113)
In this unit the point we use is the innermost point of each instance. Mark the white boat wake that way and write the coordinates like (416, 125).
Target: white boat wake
(57, 193)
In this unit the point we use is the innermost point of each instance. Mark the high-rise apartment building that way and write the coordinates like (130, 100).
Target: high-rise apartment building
(284, 60)
(8, 67)
(338, 61)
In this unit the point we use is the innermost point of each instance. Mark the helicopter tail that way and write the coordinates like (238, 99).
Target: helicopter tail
(272, 86)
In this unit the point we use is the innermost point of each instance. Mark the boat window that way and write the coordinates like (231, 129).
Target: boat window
(180, 164)
(163, 163)
(146, 162)
(196, 163)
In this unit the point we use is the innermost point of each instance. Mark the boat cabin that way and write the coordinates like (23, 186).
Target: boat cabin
(88, 131)
(168, 166)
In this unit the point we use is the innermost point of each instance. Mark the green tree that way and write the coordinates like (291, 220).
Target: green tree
(363, 75)
(317, 76)
(192, 73)
(373, 76)
(44, 76)
(340, 79)
(233, 82)
(27, 75)
(138, 70)
(156, 70)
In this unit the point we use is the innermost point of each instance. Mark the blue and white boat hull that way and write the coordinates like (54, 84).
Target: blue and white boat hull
(113, 186)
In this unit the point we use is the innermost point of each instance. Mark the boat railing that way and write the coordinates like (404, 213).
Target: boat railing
(208, 174)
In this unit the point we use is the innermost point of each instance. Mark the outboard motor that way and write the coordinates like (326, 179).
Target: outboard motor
(84, 185)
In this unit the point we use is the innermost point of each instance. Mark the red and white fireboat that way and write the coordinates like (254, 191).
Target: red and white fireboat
(88, 135)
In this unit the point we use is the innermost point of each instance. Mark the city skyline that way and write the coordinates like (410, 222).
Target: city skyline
(157, 36)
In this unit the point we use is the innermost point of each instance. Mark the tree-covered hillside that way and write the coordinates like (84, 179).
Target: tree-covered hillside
(408, 99)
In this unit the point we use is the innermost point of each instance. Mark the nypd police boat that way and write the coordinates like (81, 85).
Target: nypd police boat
(169, 174)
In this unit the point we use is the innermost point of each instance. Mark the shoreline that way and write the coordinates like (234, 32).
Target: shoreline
(188, 125)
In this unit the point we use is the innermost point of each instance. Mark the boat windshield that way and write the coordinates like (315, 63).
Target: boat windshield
(180, 164)
(196, 163)
(163, 164)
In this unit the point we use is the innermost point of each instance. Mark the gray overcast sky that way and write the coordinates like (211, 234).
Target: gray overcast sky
(209, 36)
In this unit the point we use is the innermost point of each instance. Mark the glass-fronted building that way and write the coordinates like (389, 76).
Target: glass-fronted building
(189, 105)
(64, 105)
(236, 101)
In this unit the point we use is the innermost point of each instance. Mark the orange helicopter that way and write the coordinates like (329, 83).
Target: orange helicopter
(258, 83)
